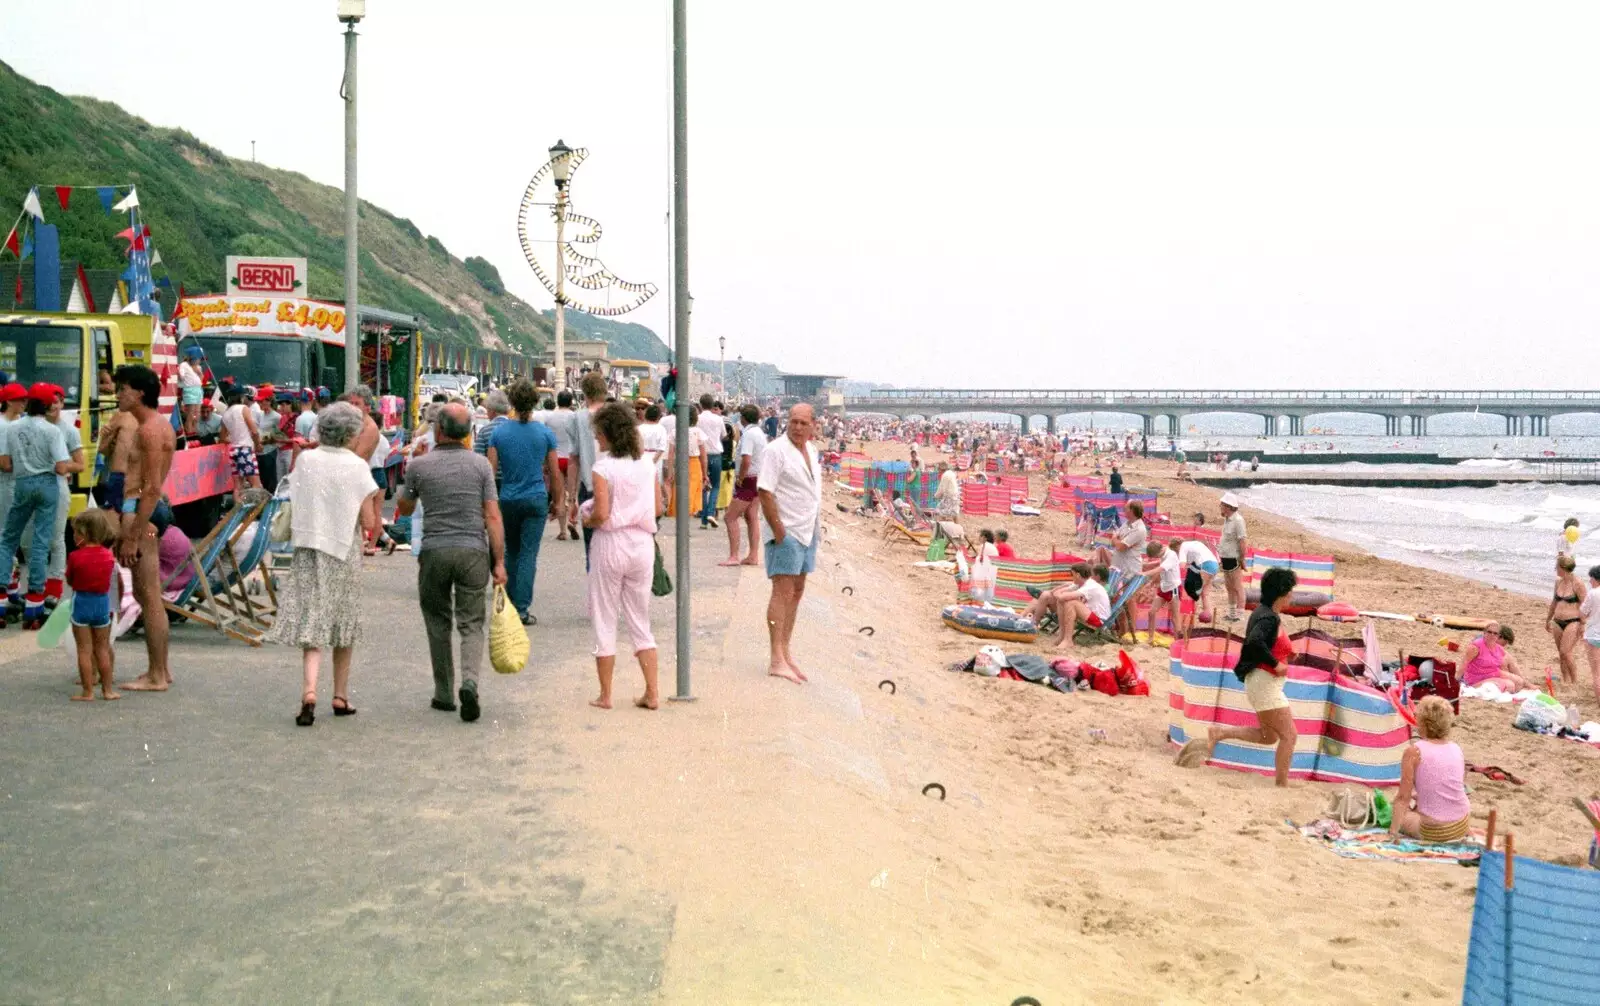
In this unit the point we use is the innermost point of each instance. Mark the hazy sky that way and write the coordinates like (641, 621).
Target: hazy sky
(1048, 194)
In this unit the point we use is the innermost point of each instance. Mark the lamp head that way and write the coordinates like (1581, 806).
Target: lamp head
(351, 11)
(561, 163)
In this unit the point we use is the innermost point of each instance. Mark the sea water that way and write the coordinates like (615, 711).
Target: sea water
(1505, 535)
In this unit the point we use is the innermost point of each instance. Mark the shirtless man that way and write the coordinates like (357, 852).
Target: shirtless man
(367, 441)
(149, 458)
(116, 443)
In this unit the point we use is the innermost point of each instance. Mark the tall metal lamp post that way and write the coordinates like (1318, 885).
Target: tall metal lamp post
(561, 170)
(350, 13)
(722, 363)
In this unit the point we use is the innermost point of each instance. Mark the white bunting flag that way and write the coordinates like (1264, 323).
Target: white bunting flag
(129, 202)
(31, 205)
(155, 258)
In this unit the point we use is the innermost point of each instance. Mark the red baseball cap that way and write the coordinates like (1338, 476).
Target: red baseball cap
(42, 392)
(264, 393)
(13, 392)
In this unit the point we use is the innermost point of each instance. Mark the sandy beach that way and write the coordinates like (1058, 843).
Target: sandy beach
(1189, 879)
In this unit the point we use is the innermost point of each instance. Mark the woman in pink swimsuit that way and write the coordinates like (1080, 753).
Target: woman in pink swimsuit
(1485, 659)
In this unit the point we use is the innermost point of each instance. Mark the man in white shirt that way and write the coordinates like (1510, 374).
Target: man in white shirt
(653, 439)
(1085, 601)
(744, 506)
(1199, 568)
(790, 489)
(711, 427)
(1233, 549)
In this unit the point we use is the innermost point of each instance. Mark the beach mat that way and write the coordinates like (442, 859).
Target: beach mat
(1375, 843)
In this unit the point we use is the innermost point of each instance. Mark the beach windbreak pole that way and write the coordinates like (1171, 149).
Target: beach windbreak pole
(680, 352)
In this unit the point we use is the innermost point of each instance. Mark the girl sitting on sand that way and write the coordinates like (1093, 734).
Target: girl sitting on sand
(1485, 660)
(1432, 802)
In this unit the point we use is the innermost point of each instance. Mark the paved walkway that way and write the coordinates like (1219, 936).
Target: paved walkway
(198, 847)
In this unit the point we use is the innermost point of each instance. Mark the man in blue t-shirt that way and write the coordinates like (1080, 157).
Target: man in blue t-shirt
(523, 455)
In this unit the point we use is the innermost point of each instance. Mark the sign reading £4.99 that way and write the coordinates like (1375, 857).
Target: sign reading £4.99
(308, 319)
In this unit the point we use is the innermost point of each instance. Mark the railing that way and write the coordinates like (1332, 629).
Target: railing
(1561, 470)
(1158, 398)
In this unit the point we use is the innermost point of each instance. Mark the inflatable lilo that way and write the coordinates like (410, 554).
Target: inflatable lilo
(989, 623)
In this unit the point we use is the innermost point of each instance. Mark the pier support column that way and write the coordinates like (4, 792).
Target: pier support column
(1271, 425)
(1050, 424)
(1026, 423)
(1174, 425)
(1297, 426)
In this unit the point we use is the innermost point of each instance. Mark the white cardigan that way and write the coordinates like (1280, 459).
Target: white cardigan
(327, 488)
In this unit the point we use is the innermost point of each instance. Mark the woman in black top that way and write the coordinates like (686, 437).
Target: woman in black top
(1262, 667)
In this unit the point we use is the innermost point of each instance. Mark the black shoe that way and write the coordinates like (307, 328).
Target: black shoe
(469, 704)
(529, 618)
(444, 705)
(308, 714)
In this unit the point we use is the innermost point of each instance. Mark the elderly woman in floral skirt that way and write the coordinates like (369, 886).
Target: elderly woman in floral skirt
(333, 498)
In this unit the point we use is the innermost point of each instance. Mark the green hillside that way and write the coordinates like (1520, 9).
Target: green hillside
(201, 205)
(627, 340)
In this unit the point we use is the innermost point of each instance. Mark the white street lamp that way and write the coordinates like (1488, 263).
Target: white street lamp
(561, 170)
(350, 12)
(722, 363)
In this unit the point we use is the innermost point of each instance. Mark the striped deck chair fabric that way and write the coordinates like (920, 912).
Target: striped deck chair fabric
(1060, 499)
(1314, 572)
(1349, 731)
(1014, 577)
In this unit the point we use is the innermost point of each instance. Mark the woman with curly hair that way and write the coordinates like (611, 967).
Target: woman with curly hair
(622, 513)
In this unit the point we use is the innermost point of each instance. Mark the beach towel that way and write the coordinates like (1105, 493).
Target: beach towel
(1348, 730)
(1376, 843)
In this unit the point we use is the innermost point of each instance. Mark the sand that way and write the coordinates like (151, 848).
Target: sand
(786, 825)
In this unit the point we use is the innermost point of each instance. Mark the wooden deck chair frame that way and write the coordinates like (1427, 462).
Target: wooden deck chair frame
(200, 603)
(257, 613)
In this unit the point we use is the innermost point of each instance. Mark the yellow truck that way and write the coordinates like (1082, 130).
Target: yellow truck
(73, 350)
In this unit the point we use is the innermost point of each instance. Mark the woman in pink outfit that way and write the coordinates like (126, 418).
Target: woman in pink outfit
(623, 511)
(1433, 773)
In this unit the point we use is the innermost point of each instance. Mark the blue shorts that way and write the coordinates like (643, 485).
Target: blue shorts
(192, 396)
(1208, 567)
(792, 558)
(92, 610)
(115, 483)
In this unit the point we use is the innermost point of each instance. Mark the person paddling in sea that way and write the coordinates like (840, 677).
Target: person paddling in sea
(1262, 666)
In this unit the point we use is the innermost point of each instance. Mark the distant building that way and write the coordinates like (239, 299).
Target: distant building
(582, 354)
(808, 387)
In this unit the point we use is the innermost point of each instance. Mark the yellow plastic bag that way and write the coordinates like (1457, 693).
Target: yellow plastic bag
(508, 640)
(725, 491)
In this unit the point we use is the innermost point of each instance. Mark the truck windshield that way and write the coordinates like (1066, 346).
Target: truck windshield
(255, 360)
(49, 353)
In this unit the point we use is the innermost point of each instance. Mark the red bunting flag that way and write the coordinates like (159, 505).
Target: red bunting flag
(19, 286)
(138, 243)
(63, 195)
(12, 245)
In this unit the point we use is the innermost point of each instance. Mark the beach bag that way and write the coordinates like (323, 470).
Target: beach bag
(1353, 809)
(282, 528)
(661, 584)
(725, 491)
(984, 576)
(990, 661)
(1541, 713)
(508, 640)
(936, 549)
(1130, 680)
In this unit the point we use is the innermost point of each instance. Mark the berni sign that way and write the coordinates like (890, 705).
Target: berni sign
(264, 275)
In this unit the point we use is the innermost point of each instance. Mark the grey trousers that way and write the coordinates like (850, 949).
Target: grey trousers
(451, 586)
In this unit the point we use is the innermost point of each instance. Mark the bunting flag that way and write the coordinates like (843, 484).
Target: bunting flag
(11, 243)
(107, 195)
(127, 236)
(155, 256)
(63, 195)
(19, 286)
(129, 202)
(31, 206)
(27, 245)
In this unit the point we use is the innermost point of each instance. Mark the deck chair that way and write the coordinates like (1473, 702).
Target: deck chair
(197, 600)
(1107, 633)
(234, 590)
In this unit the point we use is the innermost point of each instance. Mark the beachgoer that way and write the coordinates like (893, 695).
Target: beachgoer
(1163, 560)
(209, 426)
(145, 515)
(1565, 545)
(1432, 802)
(36, 455)
(244, 439)
(593, 386)
(361, 397)
(627, 500)
(1563, 620)
(987, 549)
(711, 426)
(947, 497)
(1116, 480)
(333, 497)
(560, 422)
(790, 488)
(90, 570)
(1232, 550)
(746, 506)
(1085, 601)
(1591, 630)
(1200, 568)
(523, 452)
(72, 436)
(463, 551)
(1002, 545)
(116, 443)
(1485, 660)
(1262, 669)
(191, 385)
(1130, 540)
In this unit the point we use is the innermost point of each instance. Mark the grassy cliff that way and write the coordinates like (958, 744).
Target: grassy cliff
(202, 205)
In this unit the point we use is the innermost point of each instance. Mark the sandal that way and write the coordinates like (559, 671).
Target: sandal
(345, 710)
(308, 711)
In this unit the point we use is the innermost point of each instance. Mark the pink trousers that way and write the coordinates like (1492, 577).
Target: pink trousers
(621, 566)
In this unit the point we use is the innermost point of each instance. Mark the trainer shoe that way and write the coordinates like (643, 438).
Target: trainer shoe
(469, 704)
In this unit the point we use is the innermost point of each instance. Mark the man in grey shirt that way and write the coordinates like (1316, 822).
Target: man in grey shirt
(463, 550)
(583, 446)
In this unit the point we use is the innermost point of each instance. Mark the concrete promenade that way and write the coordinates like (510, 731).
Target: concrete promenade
(198, 847)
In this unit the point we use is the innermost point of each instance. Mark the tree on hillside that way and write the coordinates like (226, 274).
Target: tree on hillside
(485, 273)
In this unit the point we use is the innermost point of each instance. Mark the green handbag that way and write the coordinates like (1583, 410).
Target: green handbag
(661, 585)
